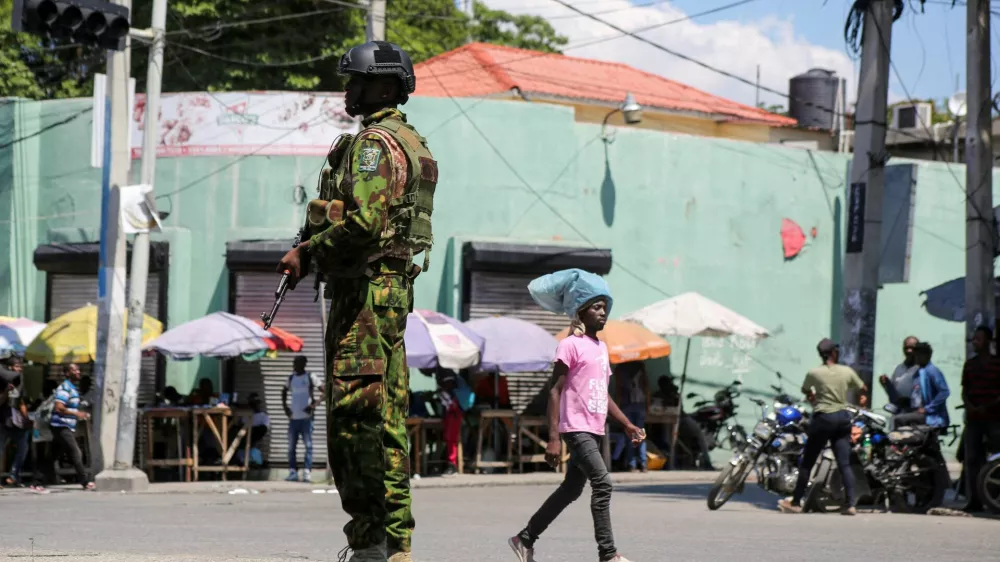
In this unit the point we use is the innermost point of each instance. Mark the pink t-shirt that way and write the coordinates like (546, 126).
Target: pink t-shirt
(583, 405)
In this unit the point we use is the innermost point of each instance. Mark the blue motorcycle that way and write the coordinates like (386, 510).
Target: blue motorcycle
(772, 451)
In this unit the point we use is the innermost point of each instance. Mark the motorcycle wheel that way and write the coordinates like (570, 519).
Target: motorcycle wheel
(989, 486)
(923, 490)
(818, 498)
(729, 481)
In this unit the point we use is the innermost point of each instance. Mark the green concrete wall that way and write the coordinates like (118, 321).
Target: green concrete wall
(680, 214)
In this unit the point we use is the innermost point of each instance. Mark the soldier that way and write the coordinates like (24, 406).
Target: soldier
(373, 215)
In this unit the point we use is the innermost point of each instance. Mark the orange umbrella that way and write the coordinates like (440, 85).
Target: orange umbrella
(629, 342)
(281, 340)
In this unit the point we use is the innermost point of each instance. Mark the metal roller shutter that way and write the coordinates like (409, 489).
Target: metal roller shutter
(70, 292)
(506, 294)
(302, 317)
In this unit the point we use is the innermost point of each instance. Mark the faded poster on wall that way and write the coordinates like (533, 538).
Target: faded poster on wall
(244, 123)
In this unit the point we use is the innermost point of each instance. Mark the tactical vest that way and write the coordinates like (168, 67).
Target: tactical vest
(408, 231)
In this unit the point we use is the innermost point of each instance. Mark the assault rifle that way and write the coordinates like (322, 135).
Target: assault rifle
(283, 283)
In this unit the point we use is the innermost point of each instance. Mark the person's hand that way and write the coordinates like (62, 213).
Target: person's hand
(553, 452)
(883, 379)
(292, 263)
(811, 398)
(82, 416)
(921, 411)
(637, 434)
(308, 409)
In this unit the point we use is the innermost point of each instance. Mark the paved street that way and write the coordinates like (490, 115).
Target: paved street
(653, 522)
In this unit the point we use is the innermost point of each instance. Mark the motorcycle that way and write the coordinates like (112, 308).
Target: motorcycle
(989, 483)
(903, 469)
(772, 451)
(715, 418)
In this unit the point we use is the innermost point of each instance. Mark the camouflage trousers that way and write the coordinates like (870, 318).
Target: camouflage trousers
(368, 401)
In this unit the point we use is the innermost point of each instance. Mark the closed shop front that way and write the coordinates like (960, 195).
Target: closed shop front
(495, 283)
(71, 283)
(251, 288)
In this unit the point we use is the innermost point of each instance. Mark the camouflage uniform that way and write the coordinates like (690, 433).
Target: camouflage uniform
(370, 283)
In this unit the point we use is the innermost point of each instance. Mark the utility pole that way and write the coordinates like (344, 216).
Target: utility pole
(111, 276)
(376, 20)
(864, 201)
(122, 475)
(468, 6)
(979, 237)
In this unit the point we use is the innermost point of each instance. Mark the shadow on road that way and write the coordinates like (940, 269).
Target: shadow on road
(752, 495)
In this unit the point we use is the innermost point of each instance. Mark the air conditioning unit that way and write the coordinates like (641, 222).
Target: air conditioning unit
(912, 115)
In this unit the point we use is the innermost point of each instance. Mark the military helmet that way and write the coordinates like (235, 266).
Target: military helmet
(380, 58)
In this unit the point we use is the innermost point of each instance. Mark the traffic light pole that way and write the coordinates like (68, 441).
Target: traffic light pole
(111, 277)
(122, 476)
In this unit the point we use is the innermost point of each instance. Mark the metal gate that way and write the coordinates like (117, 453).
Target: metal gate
(506, 294)
(68, 292)
(254, 293)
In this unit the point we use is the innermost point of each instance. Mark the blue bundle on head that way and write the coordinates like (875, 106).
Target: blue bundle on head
(567, 291)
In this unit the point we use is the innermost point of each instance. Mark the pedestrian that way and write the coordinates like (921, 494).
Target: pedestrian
(929, 397)
(899, 387)
(375, 202)
(826, 387)
(15, 427)
(65, 415)
(451, 417)
(633, 396)
(302, 387)
(579, 404)
(981, 395)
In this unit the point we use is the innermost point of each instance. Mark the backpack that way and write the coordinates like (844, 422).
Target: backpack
(466, 398)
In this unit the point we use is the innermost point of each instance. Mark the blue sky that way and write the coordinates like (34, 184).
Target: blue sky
(786, 37)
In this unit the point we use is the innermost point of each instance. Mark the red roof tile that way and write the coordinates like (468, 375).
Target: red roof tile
(481, 69)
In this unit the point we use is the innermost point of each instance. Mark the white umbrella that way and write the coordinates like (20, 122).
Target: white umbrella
(17, 333)
(693, 315)
(219, 334)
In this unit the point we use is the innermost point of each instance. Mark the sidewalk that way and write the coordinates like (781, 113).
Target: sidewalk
(461, 481)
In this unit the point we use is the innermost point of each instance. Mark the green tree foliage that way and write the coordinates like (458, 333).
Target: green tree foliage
(221, 45)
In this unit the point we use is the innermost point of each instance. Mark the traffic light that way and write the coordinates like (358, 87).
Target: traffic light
(86, 22)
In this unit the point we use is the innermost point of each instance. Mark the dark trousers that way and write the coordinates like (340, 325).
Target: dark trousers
(586, 464)
(836, 430)
(64, 443)
(977, 435)
(22, 440)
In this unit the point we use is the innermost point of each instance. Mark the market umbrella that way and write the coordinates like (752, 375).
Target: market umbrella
(693, 315)
(435, 340)
(281, 340)
(629, 342)
(220, 334)
(17, 333)
(72, 337)
(514, 345)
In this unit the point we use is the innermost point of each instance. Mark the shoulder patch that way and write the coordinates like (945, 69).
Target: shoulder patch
(368, 159)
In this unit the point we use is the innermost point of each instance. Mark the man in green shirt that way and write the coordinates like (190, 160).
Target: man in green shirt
(826, 388)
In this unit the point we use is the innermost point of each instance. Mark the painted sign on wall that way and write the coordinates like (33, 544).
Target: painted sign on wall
(244, 123)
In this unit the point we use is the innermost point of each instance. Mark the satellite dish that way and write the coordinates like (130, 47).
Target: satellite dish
(956, 105)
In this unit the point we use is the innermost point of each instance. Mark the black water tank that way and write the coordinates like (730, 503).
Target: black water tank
(813, 100)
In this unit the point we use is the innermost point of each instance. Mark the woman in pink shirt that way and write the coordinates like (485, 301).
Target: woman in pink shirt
(578, 407)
